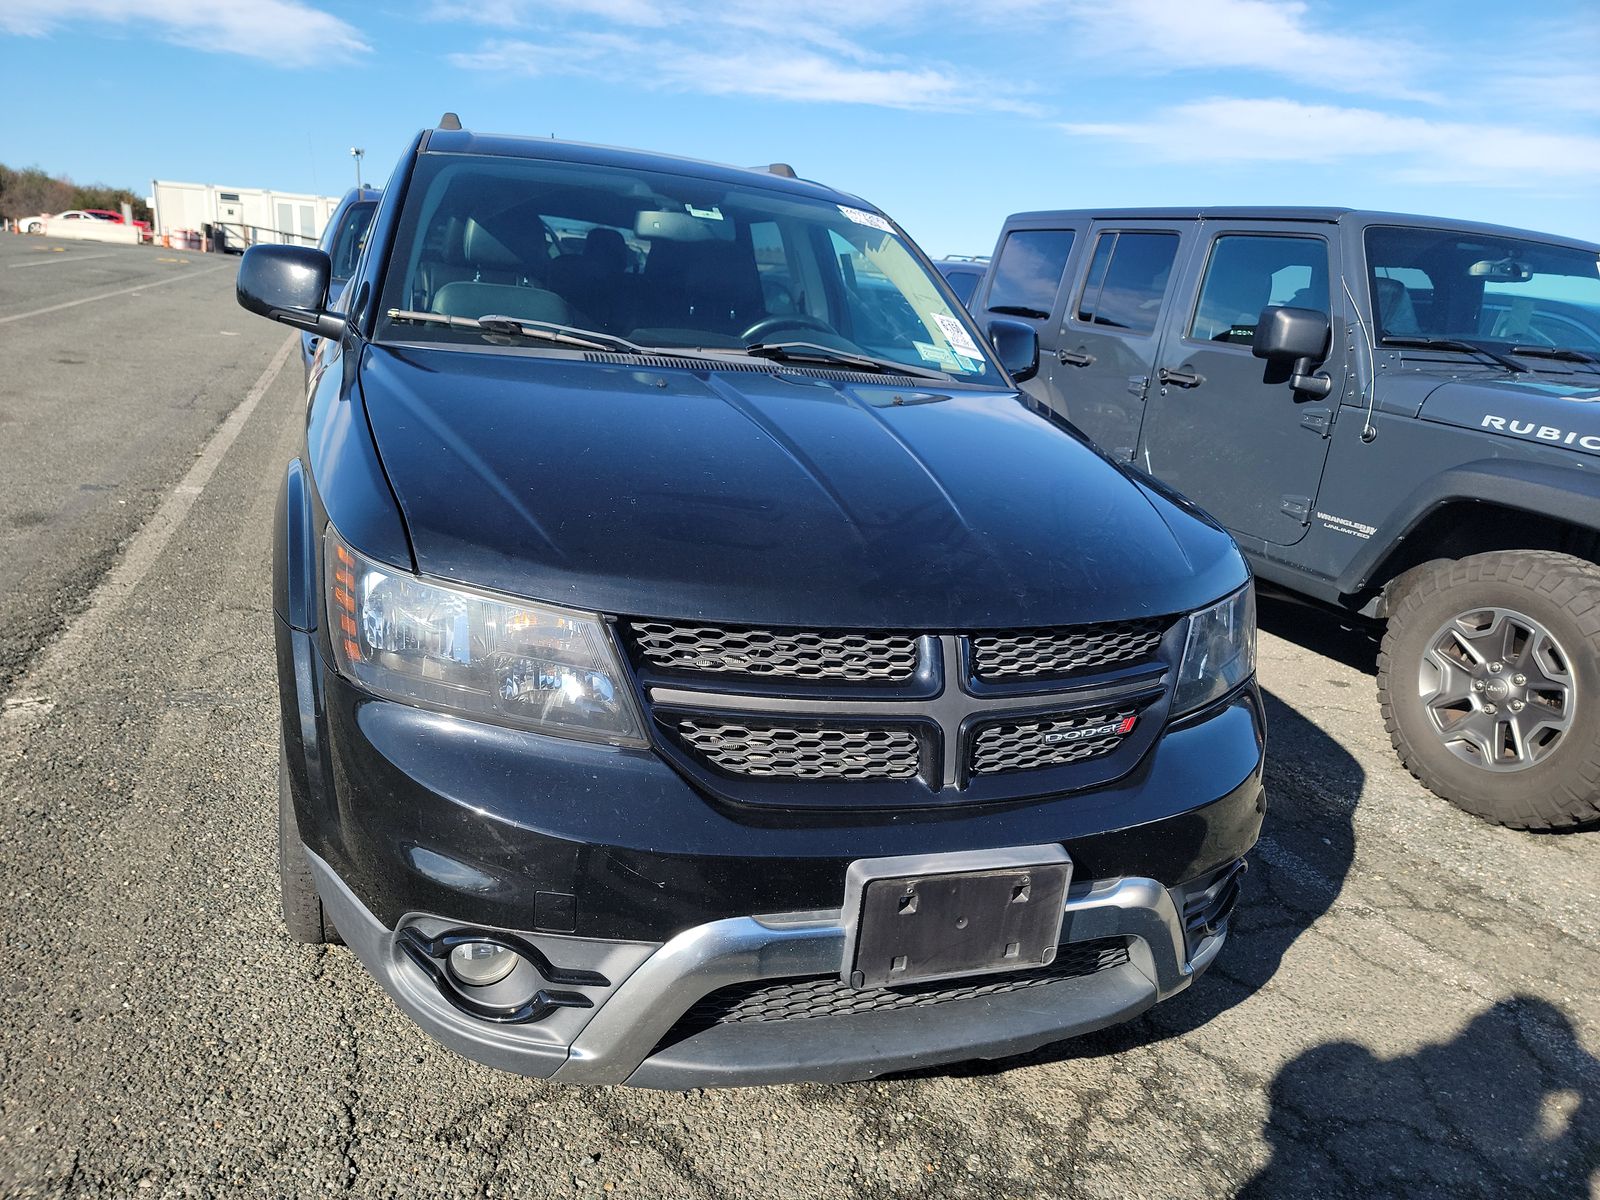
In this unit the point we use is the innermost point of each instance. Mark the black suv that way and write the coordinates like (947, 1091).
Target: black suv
(1392, 414)
(700, 666)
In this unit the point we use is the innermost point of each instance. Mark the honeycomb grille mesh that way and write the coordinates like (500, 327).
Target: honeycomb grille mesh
(1043, 653)
(1022, 745)
(804, 654)
(777, 751)
(825, 996)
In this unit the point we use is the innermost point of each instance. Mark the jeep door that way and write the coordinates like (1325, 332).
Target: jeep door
(1110, 328)
(1024, 285)
(1222, 426)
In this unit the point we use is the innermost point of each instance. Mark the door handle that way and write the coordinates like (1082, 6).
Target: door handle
(1183, 379)
(1072, 358)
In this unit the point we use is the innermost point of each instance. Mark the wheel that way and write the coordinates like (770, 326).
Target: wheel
(302, 907)
(1489, 681)
(34, 227)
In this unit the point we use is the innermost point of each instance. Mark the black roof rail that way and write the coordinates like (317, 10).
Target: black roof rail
(449, 121)
(782, 170)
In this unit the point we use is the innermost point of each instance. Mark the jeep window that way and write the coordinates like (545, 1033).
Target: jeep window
(1249, 273)
(1127, 279)
(1028, 271)
(1443, 283)
(664, 261)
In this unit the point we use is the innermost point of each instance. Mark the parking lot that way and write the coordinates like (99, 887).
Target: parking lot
(1408, 1006)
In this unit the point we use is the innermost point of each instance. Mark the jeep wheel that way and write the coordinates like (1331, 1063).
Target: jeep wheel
(302, 907)
(1489, 680)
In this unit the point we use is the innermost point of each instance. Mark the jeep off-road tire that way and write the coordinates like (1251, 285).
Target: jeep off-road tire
(1489, 682)
(302, 907)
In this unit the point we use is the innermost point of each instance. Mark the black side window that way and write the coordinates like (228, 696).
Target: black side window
(962, 283)
(1247, 274)
(1127, 278)
(1028, 271)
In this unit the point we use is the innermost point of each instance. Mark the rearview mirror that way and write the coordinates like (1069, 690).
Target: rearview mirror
(1016, 345)
(289, 284)
(1296, 338)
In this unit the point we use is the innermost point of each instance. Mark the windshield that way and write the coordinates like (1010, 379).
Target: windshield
(1441, 283)
(348, 237)
(666, 262)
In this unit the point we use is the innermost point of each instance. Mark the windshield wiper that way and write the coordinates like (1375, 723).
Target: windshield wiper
(812, 352)
(545, 331)
(1453, 343)
(1563, 353)
(1019, 310)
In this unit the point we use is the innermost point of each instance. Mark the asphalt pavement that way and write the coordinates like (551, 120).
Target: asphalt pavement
(1409, 1005)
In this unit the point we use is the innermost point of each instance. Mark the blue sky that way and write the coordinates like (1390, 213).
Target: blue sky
(946, 115)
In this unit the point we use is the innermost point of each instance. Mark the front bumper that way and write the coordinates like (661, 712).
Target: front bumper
(627, 1036)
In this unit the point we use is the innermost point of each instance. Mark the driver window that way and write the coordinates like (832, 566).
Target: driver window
(1249, 273)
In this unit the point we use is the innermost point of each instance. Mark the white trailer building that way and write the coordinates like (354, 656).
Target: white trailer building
(247, 216)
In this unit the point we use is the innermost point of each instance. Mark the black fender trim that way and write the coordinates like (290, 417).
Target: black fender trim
(1540, 489)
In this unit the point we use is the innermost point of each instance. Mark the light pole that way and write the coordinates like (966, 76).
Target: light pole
(356, 152)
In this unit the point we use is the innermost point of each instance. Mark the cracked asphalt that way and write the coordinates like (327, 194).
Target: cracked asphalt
(1408, 1006)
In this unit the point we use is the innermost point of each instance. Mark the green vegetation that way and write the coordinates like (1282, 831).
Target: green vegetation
(29, 192)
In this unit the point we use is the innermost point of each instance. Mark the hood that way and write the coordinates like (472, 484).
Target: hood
(1550, 412)
(767, 498)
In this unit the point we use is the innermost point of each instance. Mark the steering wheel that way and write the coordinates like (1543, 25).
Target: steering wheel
(760, 329)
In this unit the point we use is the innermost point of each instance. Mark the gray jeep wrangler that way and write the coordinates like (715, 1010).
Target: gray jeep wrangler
(1396, 415)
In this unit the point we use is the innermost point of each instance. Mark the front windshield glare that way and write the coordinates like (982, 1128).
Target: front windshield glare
(1439, 283)
(665, 262)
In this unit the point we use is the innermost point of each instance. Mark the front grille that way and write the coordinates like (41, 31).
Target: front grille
(805, 654)
(1048, 741)
(1046, 653)
(825, 996)
(773, 750)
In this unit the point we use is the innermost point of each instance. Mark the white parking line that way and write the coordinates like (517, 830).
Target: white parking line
(138, 287)
(28, 705)
(49, 262)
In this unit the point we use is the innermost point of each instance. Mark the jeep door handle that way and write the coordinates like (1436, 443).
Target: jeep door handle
(1183, 379)
(1072, 358)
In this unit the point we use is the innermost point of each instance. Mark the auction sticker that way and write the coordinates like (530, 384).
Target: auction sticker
(956, 334)
(862, 217)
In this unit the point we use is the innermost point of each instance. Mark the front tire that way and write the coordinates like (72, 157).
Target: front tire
(1489, 683)
(302, 906)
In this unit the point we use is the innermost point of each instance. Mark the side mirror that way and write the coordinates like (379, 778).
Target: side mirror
(289, 284)
(1297, 338)
(1016, 345)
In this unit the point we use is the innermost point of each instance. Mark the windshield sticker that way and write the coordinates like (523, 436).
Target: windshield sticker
(956, 334)
(942, 355)
(871, 220)
(705, 214)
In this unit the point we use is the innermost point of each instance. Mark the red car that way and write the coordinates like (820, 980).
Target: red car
(105, 214)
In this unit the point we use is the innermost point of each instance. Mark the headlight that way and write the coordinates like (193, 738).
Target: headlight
(1220, 653)
(514, 663)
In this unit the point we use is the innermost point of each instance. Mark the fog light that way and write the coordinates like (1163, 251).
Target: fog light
(478, 964)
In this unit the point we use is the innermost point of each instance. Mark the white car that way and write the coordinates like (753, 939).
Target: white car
(37, 224)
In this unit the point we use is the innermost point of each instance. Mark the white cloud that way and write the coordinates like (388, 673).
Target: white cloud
(1418, 149)
(1276, 37)
(744, 66)
(285, 32)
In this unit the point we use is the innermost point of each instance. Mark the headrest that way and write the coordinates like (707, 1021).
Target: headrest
(605, 247)
(483, 249)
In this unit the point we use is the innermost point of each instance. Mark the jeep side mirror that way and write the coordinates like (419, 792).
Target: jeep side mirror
(289, 284)
(1016, 345)
(1297, 338)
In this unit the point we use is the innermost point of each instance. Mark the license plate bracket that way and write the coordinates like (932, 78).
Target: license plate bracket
(913, 926)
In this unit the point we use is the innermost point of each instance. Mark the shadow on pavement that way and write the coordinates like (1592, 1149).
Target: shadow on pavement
(1343, 637)
(1509, 1107)
(1296, 873)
